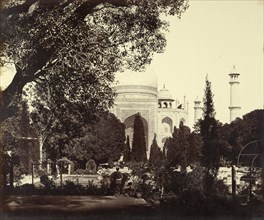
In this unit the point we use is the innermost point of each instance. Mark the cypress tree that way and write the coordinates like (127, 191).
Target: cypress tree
(127, 150)
(209, 133)
(172, 146)
(184, 145)
(155, 152)
(138, 153)
(211, 144)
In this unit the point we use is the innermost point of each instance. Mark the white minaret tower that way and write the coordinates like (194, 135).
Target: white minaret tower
(234, 95)
(197, 110)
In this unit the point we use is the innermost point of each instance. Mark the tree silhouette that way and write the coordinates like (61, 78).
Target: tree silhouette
(102, 141)
(171, 145)
(179, 147)
(195, 144)
(240, 132)
(138, 153)
(209, 132)
(209, 129)
(156, 154)
(127, 150)
(80, 44)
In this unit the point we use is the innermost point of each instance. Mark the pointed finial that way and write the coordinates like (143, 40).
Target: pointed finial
(163, 86)
(234, 69)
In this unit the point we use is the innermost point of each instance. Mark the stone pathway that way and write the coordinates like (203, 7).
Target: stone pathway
(59, 207)
(70, 203)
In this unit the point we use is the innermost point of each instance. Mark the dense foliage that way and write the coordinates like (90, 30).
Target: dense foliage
(19, 145)
(241, 132)
(156, 154)
(101, 141)
(79, 44)
(18, 136)
(183, 148)
(72, 48)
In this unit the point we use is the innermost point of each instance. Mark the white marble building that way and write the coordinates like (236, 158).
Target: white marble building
(137, 92)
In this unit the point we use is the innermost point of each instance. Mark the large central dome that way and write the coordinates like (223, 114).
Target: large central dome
(128, 78)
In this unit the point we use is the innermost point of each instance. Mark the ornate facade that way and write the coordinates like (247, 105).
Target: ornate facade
(137, 92)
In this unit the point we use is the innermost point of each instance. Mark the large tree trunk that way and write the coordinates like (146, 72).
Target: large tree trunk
(12, 94)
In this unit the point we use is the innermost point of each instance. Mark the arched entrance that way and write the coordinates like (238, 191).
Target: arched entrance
(167, 124)
(129, 123)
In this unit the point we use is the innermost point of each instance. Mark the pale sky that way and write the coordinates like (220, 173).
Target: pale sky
(210, 38)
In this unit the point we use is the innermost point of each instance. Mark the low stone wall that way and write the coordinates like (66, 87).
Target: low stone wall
(81, 179)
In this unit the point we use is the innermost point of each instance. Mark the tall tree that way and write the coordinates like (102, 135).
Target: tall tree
(42, 114)
(79, 43)
(184, 145)
(156, 154)
(127, 150)
(172, 148)
(209, 132)
(139, 150)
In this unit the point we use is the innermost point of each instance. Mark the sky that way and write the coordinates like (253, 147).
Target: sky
(209, 39)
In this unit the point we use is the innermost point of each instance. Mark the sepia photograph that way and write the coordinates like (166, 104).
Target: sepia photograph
(131, 109)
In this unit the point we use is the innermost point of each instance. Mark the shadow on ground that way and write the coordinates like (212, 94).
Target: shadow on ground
(72, 207)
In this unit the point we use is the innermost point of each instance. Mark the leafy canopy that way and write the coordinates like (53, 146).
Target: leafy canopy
(79, 42)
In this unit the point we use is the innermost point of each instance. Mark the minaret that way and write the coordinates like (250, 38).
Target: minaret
(197, 110)
(234, 95)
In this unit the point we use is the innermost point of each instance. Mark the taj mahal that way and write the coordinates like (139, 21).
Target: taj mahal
(138, 92)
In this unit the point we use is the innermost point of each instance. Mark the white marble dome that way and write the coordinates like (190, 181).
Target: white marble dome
(147, 78)
(164, 94)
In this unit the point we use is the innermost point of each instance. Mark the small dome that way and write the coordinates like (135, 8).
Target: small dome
(164, 94)
(197, 100)
(129, 77)
(234, 72)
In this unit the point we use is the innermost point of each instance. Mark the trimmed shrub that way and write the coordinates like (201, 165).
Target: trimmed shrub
(64, 162)
(91, 166)
(71, 188)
